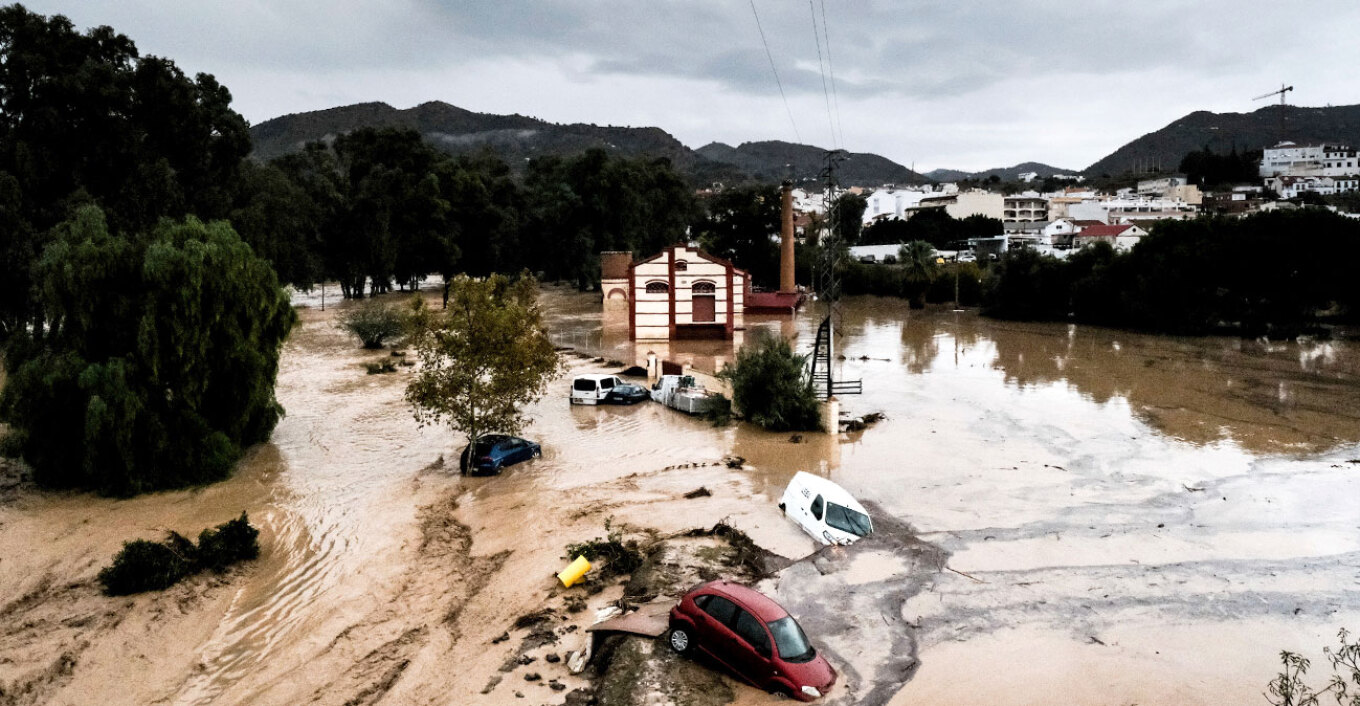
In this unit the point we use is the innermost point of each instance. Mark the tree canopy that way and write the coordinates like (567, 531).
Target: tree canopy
(482, 359)
(157, 363)
(742, 225)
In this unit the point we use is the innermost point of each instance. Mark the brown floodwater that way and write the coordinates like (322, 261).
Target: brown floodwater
(1187, 503)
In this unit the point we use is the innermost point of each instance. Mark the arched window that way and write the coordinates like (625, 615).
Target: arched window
(703, 288)
(681, 265)
(657, 288)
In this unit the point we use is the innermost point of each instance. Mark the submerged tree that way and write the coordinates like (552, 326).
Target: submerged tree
(158, 360)
(483, 358)
(771, 386)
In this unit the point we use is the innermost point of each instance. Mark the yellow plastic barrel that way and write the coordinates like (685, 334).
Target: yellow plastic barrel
(574, 571)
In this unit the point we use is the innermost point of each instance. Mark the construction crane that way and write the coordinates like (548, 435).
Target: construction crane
(1283, 90)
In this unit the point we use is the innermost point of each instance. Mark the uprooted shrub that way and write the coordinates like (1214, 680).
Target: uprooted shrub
(143, 565)
(619, 556)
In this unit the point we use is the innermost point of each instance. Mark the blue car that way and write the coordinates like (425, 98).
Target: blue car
(496, 451)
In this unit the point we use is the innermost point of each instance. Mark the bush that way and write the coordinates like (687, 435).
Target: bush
(374, 321)
(153, 566)
(1288, 688)
(771, 386)
(227, 544)
(145, 566)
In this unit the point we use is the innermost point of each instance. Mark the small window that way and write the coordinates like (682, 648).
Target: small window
(607, 383)
(658, 288)
(584, 385)
(702, 601)
(750, 630)
(721, 609)
(681, 265)
(703, 288)
(817, 507)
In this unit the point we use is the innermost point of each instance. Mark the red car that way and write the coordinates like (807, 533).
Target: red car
(752, 636)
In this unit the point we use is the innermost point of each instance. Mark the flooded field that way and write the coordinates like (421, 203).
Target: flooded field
(1125, 518)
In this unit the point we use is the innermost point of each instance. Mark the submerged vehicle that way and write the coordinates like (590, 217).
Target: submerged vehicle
(825, 510)
(494, 452)
(685, 393)
(592, 388)
(753, 636)
(627, 393)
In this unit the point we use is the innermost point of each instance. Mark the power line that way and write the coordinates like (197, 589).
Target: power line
(776, 72)
(821, 68)
(840, 124)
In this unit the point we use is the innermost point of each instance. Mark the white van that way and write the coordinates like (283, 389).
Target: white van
(824, 510)
(591, 389)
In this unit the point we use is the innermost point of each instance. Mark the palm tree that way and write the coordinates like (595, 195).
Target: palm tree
(918, 262)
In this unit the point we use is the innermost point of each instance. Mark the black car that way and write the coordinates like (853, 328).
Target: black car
(627, 393)
(496, 451)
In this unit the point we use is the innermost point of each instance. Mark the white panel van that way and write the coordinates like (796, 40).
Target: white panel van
(824, 510)
(591, 389)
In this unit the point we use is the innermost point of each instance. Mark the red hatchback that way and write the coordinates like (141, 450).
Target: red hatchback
(752, 636)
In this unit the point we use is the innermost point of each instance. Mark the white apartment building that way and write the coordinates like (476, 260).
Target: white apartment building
(1132, 210)
(1289, 159)
(1289, 187)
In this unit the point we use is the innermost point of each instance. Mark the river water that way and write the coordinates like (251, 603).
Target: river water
(1143, 517)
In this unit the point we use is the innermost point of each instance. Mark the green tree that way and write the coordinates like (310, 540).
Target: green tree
(483, 358)
(848, 216)
(158, 360)
(1289, 687)
(772, 387)
(84, 118)
(741, 225)
(918, 263)
(374, 321)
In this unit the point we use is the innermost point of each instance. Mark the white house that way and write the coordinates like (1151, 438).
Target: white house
(1290, 159)
(683, 292)
(1122, 237)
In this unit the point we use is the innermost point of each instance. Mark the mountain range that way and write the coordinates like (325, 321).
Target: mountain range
(517, 138)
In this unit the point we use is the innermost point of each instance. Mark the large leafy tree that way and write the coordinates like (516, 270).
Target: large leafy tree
(84, 118)
(580, 206)
(158, 361)
(742, 225)
(483, 358)
(771, 386)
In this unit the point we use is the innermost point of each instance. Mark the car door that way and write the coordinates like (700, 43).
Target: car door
(751, 652)
(715, 637)
(812, 519)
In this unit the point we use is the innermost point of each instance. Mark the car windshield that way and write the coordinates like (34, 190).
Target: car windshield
(847, 520)
(793, 645)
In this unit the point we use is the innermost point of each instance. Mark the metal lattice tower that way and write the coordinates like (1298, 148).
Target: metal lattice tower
(830, 253)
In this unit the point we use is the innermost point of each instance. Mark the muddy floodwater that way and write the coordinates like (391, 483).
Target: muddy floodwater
(1123, 518)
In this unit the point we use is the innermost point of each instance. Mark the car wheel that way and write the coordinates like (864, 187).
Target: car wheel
(679, 640)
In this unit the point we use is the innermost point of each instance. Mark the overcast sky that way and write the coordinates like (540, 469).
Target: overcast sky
(966, 84)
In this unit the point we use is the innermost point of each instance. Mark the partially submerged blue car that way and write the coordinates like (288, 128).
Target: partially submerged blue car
(494, 452)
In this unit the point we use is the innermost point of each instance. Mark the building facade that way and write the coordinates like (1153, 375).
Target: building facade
(683, 292)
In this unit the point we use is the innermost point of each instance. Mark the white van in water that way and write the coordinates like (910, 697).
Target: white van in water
(592, 389)
(824, 510)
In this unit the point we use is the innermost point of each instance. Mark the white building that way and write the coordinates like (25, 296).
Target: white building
(1025, 208)
(1289, 159)
(683, 292)
(1289, 187)
(1132, 210)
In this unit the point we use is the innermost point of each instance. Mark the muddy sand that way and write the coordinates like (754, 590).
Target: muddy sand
(1045, 527)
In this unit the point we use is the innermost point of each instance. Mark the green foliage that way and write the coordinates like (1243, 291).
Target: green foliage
(1289, 688)
(933, 226)
(1207, 169)
(228, 543)
(741, 225)
(619, 556)
(847, 214)
(87, 119)
(153, 566)
(771, 386)
(483, 358)
(577, 207)
(158, 361)
(1269, 274)
(374, 321)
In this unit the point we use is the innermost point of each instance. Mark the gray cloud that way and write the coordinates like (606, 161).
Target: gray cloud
(928, 68)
